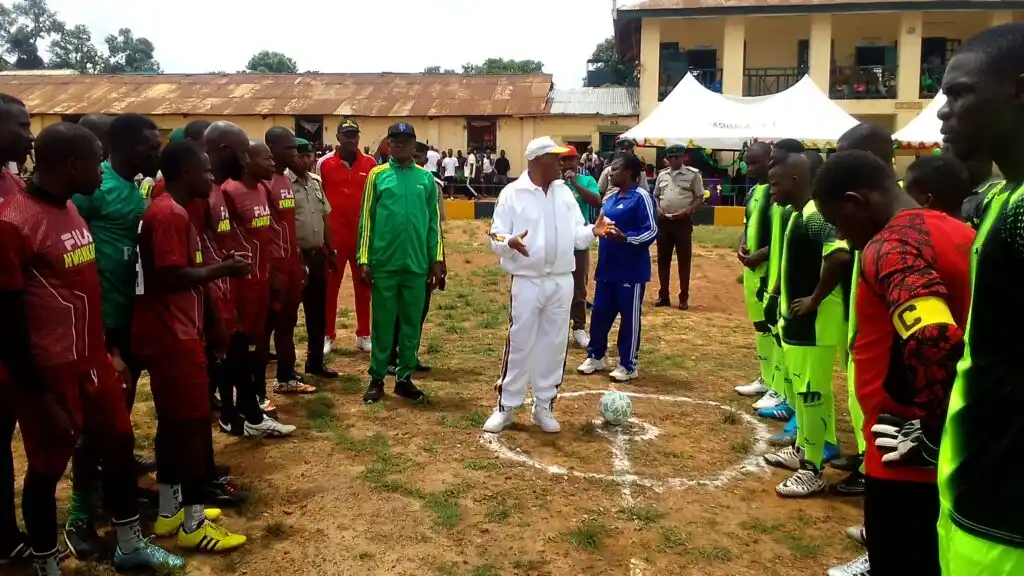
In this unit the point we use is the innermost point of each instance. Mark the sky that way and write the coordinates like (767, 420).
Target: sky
(356, 36)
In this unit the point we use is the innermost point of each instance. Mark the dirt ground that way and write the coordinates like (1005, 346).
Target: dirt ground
(397, 489)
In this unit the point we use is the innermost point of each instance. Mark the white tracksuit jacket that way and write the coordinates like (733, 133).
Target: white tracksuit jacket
(541, 290)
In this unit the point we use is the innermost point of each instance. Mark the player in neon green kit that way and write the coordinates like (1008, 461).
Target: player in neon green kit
(753, 253)
(813, 325)
(400, 252)
(981, 522)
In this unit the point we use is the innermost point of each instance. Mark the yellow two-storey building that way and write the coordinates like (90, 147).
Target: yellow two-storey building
(882, 61)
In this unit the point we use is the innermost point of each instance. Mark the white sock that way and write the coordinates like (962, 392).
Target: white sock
(195, 515)
(129, 535)
(170, 499)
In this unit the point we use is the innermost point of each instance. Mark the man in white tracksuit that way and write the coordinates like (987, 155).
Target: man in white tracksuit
(537, 225)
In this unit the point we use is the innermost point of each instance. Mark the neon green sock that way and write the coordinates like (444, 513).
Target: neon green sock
(765, 353)
(80, 509)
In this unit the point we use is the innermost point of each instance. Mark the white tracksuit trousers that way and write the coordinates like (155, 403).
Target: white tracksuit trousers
(537, 339)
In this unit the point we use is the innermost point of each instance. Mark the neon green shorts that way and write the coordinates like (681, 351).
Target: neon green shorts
(963, 554)
(752, 280)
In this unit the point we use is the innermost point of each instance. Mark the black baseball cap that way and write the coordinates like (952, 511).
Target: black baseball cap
(401, 129)
(348, 126)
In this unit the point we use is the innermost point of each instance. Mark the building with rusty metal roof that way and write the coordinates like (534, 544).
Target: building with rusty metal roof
(448, 110)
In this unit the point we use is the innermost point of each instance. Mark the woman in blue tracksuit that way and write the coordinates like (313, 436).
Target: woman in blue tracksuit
(623, 270)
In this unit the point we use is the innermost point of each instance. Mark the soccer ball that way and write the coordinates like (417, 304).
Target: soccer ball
(616, 407)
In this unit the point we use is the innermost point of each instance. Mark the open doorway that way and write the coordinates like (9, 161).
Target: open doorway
(481, 134)
(310, 128)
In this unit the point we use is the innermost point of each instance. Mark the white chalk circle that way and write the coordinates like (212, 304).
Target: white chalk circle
(638, 430)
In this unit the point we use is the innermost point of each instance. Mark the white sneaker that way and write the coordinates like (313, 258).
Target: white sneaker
(581, 337)
(328, 345)
(543, 417)
(802, 483)
(269, 428)
(788, 458)
(857, 534)
(363, 343)
(499, 420)
(859, 567)
(620, 374)
(755, 388)
(591, 365)
(771, 399)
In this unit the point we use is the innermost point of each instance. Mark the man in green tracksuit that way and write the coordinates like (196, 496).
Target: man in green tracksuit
(400, 252)
(813, 325)
(754, 253)
(113, 214)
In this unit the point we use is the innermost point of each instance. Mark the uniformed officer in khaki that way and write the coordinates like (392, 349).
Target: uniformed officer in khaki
(313, 235)
(679, 192)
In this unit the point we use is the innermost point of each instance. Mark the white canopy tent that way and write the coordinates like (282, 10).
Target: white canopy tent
(695, 116)
(924, 131)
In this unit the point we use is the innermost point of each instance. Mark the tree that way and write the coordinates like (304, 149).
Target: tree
(73, 49)
(267, 62)
(24, 25)
(130, 55)
(438, 70)
(502, 66)
(608, 68)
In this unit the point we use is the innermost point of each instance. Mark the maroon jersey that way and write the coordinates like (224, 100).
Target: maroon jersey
(167, 318)
(251, 224)
(212, 222)
(281, 200)
(10, 182)
(920, 256)
(46, 252)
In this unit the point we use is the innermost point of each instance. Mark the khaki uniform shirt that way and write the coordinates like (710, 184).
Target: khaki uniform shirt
(678, 190)
(605, 187)
(311, 206)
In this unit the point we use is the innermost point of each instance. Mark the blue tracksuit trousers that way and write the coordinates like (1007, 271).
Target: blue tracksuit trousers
(613, 299)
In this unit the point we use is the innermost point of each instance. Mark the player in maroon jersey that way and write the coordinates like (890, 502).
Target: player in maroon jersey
(15, 146)
(246, 202)
(169, 331)
(287, 272)
(62, 380)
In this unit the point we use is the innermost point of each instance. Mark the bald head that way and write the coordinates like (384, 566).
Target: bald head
(283, 147)
(228, 148)
(98, 124)
(261, 161)
(67, 160)
(867, 138)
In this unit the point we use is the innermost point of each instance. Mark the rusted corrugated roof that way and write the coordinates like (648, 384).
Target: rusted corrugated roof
(398, 95)
(692, 4)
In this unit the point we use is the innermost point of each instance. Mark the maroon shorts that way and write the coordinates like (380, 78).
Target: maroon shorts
(291, 274)
(252, 304)
(180, 382)
(92, 399)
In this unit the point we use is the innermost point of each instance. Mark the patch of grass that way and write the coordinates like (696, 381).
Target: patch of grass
(275, 529)
(501, 511)
(731, 417)
(759, 526)
(434, 345)
(717, 236)
(365, 555)
(482, 465)
(445, 507)
(588, 535)
(711, 553)
(643, 514)
(800, 546)
(484, 570)
(471, 419)
(350, 384)
(589, 428)
(454, 329)
(375, 408)
(671, 539)
(529, 565)
(742, 446)
(447, 569)
(319, 406)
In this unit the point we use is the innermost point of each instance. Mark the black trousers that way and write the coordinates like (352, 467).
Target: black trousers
(239, 394)
(426, 309)
(314, 304)
(674, 235)
(184, 455)
(899, 521)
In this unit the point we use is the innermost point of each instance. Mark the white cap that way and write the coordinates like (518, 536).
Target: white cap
(543, 145)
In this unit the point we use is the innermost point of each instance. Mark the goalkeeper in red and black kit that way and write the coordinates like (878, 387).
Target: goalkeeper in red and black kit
(912, 303)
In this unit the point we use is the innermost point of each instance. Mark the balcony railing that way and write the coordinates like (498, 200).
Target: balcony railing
(765, 81)
(862, 82)
(931, 79)
(710, 78)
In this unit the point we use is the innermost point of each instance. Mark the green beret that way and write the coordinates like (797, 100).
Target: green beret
(304, 146)
(177, 135)
(675, 150)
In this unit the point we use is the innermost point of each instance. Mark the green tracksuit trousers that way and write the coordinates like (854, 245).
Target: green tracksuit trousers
(396, 296)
